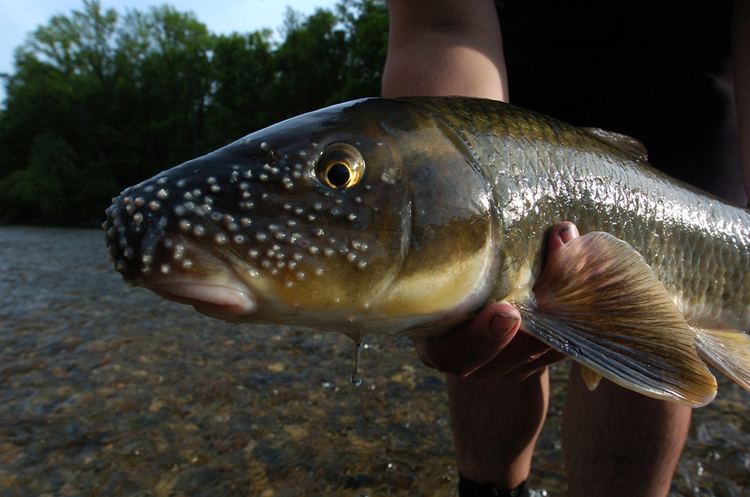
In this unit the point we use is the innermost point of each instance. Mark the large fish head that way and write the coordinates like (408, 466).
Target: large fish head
(313, 221)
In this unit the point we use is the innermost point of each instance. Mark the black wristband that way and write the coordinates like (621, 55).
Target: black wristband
(468, 488)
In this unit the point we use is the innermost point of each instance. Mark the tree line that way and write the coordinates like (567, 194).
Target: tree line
(99, 100)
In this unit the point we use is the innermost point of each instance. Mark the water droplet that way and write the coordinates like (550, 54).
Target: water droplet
(356, 377)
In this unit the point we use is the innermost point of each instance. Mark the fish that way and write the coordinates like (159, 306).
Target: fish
(405, 216)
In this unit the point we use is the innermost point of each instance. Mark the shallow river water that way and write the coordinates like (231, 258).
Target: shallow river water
(111, 391)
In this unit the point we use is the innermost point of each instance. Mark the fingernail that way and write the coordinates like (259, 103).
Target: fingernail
(502, 324)
(568, 232)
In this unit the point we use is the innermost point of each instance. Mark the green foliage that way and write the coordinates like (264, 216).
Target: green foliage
(241, 101)
(55, 187)
(100, 100)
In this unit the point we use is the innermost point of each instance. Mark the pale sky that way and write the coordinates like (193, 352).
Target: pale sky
(19, 17)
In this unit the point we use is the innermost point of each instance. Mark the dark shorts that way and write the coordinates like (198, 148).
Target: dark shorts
(657, 71)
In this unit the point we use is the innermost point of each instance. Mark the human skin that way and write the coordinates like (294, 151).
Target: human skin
(615, 442)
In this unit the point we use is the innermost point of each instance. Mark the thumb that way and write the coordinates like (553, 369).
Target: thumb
(475, 343)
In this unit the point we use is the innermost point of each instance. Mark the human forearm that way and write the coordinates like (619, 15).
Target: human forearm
(444, 47)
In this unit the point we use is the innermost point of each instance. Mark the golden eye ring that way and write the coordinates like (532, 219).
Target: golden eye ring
(340, 166)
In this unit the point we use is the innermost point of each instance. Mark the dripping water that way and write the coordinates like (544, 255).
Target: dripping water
(356, 377)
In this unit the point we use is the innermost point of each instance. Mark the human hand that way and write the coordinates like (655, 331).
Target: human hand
(489, 346)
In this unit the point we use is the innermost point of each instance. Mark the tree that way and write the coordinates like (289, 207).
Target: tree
(243, 71)
(366, 22)
(98, 100)
(54, 187)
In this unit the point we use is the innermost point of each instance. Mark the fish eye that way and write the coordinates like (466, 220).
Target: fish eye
(338, 175)
(341, 166)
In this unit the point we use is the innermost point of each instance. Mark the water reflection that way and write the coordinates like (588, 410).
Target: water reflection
(106, 390)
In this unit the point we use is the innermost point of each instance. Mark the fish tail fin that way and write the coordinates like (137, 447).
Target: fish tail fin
(728, 351)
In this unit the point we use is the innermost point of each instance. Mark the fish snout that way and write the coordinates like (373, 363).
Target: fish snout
(137, 229)
(162, 240)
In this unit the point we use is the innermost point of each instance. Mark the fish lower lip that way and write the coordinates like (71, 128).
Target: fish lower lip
(220, 301)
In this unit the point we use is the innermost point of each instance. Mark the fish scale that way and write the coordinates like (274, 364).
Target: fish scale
(698, 246)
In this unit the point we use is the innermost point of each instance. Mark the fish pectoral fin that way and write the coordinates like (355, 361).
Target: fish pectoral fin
(590, 378)
(625, 143)
(728, 351)
(600, 303)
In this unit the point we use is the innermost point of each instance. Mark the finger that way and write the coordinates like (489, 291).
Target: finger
(525, 354)
(467, 348)
(522, 350)
(561, 234)
(524, 372)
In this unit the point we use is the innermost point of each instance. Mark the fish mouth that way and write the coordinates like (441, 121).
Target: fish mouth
(210, 284)
(224, 301)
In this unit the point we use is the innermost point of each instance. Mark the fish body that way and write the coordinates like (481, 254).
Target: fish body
(407, 215)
